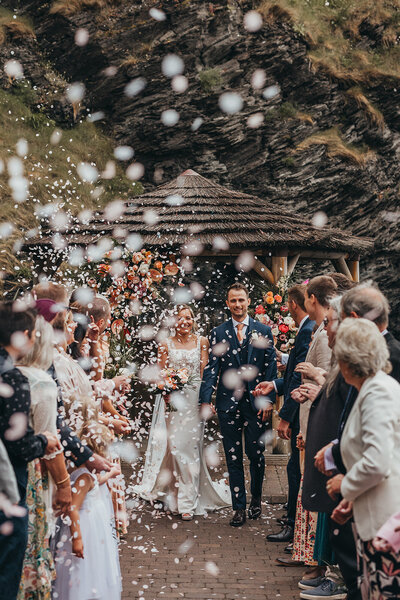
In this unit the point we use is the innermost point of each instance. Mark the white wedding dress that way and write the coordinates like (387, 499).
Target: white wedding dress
(175, 470)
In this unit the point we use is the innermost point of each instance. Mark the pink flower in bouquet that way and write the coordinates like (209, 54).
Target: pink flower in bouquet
(260, 310)
(283, 328)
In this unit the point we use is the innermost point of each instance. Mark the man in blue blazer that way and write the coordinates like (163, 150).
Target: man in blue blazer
(242, 355)
(288, 427)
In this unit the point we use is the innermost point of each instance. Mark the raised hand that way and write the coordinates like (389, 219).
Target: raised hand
(343, 512)
(263, 389)
(53, 442)
(333, 486)
(283, 430)
(266, 413)
(93, 331)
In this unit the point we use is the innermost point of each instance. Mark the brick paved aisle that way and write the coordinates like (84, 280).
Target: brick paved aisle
(164, 557)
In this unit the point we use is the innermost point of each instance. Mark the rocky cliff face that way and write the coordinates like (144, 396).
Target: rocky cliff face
(312, 141)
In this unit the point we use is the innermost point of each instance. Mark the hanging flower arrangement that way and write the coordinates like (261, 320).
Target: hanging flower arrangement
(273, 311)
(137, 286)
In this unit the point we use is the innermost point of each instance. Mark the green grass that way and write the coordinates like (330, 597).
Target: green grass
(50, 169)
(334, 33)
(210, 80)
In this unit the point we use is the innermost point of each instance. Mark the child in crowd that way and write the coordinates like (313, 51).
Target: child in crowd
(85, 544)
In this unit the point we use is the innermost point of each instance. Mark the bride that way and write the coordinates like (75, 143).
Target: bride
(175, 470)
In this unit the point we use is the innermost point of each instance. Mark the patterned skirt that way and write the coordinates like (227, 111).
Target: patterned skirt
(305, 527)
(379, 572)
(38, 570)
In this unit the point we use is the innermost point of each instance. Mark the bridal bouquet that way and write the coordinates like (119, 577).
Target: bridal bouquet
(172, 380)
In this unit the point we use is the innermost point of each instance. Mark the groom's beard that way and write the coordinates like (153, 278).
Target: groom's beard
(240, 315)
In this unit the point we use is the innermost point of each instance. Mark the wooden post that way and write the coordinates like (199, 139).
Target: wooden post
(263, 271)
(279, 267)
(354, 268)
(341, 267)
(292, 262)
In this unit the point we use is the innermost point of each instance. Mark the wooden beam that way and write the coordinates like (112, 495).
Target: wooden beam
(354, 268)
(341, 267)
(263, 271)
(292, 262)
(279, 267)
(322, 255)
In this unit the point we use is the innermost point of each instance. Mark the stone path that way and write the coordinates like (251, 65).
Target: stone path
(164, 557)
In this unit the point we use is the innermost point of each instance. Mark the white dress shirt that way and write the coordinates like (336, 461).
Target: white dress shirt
(245, 323)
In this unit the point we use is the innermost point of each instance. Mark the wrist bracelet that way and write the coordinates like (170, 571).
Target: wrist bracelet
(63, 481)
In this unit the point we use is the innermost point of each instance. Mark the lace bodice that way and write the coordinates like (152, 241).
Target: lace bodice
(178, 358)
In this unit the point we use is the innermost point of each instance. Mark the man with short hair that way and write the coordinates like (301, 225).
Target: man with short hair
(288, 427)
(241, 355)
(17, 330)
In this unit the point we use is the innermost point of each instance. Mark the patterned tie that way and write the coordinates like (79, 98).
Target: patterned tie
(239, 329)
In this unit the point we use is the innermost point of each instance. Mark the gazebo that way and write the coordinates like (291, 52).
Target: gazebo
(202, 218)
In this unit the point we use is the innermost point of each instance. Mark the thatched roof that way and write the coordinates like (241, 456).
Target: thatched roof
(193, 208)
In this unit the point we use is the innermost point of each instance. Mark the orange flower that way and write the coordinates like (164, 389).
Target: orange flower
(269, 300)
(171, 269)
(155, 275)
(278, 298)
(103, 269)
(270, 294)
(158, 265)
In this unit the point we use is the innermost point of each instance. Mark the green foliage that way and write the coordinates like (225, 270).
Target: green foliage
(287, 110)
(50, 168)
(210, 79)
(289, 161)
(337, 37)
(24, 91)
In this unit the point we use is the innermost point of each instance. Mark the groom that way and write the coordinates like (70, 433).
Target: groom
(242, 354)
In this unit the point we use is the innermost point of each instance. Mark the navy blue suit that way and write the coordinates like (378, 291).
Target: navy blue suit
(236, 408)
(290, 410)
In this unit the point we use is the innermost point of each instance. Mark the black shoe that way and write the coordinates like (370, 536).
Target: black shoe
(288, 549)
(282, 521)
(239, 518)
(254, 511)
(285, 535)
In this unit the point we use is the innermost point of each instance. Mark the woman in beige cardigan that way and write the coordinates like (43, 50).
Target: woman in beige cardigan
(370, 448)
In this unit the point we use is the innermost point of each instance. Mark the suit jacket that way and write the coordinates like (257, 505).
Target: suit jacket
(320, 355)
(370, 448)
(291, 380)
(394, 357)
(323, 420)
(225, 356)
(394, 352)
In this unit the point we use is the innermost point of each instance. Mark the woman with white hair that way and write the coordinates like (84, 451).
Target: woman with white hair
(43, 477)
(370, 448)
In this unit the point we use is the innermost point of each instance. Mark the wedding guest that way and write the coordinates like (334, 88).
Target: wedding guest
(51, 303)
(289, 426)
(45, 481)
(323, 422)
(22, 444)
(8, 483)
(343, 282)
(86, 552)
(73, 380)
(365, 301)
(370, 448)
(319, 292)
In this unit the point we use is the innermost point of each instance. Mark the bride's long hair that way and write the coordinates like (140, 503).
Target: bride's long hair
(182, 307)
